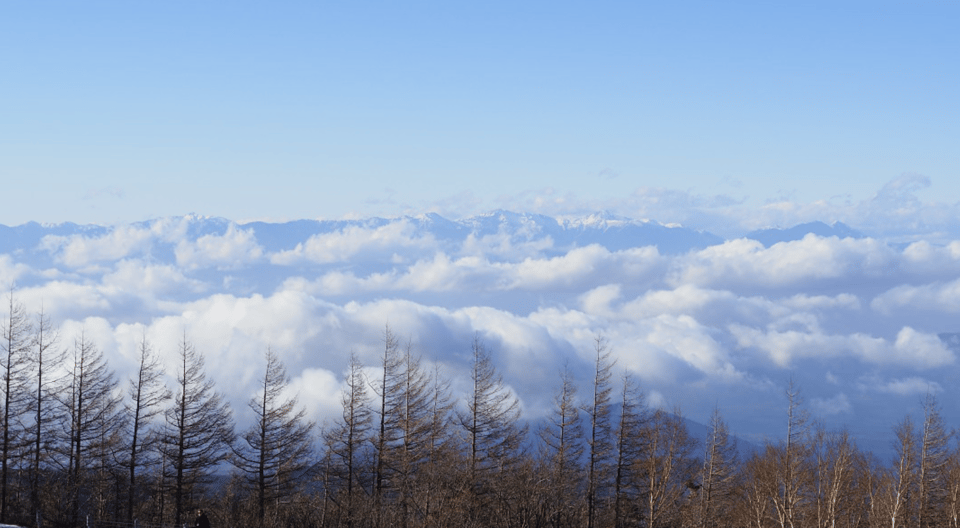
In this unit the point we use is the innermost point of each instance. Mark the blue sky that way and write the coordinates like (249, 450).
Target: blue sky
(724, 116)
(116, 111)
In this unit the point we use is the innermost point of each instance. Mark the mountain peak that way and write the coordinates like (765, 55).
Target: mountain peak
(771, 236)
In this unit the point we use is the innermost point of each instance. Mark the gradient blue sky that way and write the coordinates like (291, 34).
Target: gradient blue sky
(122, 111)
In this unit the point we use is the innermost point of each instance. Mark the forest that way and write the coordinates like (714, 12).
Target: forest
(81, 448)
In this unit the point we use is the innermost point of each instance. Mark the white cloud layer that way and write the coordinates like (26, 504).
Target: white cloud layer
(851, 318)
(235, 248)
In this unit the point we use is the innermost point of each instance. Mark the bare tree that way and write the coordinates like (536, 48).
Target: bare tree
(197, 432)
(562, 438)
(902, 478)
(438, 488)
(834, 479)
(390, 391)
(277, 448)
(14, 382)
(415, 448)
(147, 394)
(47, 358)
(760, 484)
(952, 501)
(719, 478)
(94, 426)
(932, 468)
(600, 440)
(668, 467)
(792, 454)
(345, 444)
(491, 425)
(631, 441)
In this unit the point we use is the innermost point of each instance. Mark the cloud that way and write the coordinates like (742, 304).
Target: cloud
(319, 392)
(744, 263)
(77, 251)
(233, 249)
(839, 404)
(686, 299)
(929, 260)
(573, 272)
(148, 280)
(353, 241)
(11, 271)
(64, 300)
(899, 386)
(600, 300)
(911, 349)
(921, 350)
(938, 297)
(736, 318)
(893, 213)
(684, 338)
(583, 266)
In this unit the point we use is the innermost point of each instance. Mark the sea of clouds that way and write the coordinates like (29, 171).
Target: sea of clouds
(862, 317)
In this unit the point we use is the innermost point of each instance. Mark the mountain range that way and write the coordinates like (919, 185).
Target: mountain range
(865, 326)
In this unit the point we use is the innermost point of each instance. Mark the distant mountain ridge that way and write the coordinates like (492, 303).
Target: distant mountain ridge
(769, 237)
(610, 231)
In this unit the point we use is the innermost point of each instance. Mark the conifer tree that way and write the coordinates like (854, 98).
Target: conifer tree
(389, 389)
(494, 436)
(718, 475)
(562, 439)
(932, 465)
(147, 394)
(45, 413)
(94, 425)
(14, 382)
(277, 449)
(600, 440)
(197, 432)
(345, 444)
(631, 441)
(438, 487)
(415, 425)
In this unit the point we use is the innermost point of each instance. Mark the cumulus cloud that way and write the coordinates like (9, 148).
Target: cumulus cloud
(911, 386)
(735, 318)
(11, 271)
(575, 271)
(149, 280)
(64, 300)
(235, 248)
(508, 245)
(319, 392)
(77, 251)
(747, 263)
(684, 338)
(685, 299)
(941, 297)
(910, 349)
(839, 404)
(583, 266)
(341, 246)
